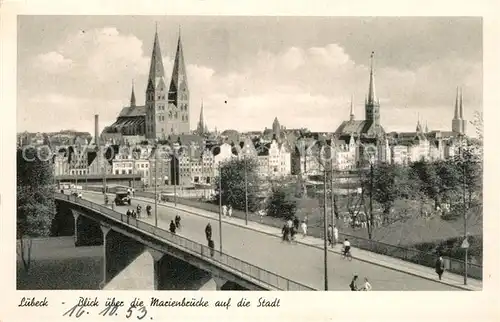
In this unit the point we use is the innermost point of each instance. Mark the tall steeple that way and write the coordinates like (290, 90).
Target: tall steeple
(156, 95)
(458, 124)
(351, 115)
(461, 109)
(156, 69)
(276, 128)
(372, 106)
(132, 96)
(371, 87)
(178, 93)
(457, 114)
(200, 129)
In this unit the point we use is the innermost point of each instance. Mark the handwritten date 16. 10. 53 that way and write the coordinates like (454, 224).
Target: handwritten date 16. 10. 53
(112, 307)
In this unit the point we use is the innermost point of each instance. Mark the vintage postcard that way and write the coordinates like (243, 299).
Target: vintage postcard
(194, 151)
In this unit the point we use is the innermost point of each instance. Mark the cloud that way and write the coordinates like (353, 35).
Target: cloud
(53, 62)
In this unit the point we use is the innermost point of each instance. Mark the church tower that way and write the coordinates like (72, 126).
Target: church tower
(156, 92)
(351, 115)
(202, 127)
(132, 96)
(372, 106)
(178, 95)
(458, 124)
(276, 128)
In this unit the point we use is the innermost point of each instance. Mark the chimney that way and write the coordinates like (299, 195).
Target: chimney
(96, 129)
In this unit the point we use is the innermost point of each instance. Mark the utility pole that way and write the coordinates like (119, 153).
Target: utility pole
(370, 219)
(175, 179)
(246, 191)
(220, 207)
(332, 195)
(325, 224)
(466, 260)
(156, 177)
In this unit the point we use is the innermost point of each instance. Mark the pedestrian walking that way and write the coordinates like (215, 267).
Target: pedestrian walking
(286, 232)
(211, 246)
(293, 232)
(112, 205)
(306, 219)
(303, 226)
(133, 192)
(129, 213)
(335, 235)
(330, 235)
(353, 286)
(178, 222)
(366, 286)
(224, 210)
(208, 232)
(289, 223)
(296, 222)
(172, 227)
(230, 211)
(440, 267)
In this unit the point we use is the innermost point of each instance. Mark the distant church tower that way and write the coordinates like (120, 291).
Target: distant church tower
(202, 127)
(351, 115)
(276, 128)
(372, 106)
(156, 92)
(178, 94)
(459, 124)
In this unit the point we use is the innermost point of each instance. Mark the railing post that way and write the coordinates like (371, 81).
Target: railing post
(287, 284)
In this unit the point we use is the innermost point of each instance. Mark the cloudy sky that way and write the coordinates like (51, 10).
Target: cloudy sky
(302, 70)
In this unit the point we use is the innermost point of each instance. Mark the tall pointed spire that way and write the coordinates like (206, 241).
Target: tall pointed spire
(156, 70)
(202, 126)
(132, 96)
(457, 114)
(371, 87)
(351, 115)
(461, 108)
(179, 75)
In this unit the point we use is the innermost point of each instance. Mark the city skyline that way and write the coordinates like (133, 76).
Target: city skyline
(264, 67)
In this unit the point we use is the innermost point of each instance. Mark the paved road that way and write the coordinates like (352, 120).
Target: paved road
(297, 262)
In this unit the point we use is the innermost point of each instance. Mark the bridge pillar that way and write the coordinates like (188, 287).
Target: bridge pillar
(215, 283)
(219, 282)
(87, 231)
(105, 231)
(157, 257)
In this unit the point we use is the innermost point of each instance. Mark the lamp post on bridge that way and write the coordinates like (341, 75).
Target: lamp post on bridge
(220, 206)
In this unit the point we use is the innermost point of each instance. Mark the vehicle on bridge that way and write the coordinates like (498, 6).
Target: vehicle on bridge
(122, 198)
(76, 193)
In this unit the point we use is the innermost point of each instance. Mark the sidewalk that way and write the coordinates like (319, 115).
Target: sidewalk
(359, 254)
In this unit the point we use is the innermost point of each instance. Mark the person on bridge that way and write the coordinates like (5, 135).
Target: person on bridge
(208, 232)
(303, 226)
(172, 227)
(211, 246)
(230, 211)
(148, 210)
(440, 267)
(296, 222)
(330, 235)
(367, 286)
(224, 210)
(129, 213)
(353, 286)
(139, 211)
(286, 232)
(347, 247)
(178, 221)
(335, 235)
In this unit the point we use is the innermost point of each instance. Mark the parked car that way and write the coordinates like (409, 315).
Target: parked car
(77, 194)
(122, 198)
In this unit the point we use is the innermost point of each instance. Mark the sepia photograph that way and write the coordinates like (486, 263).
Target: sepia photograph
(260, 153)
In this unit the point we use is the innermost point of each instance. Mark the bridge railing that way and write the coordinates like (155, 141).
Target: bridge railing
(245, 269)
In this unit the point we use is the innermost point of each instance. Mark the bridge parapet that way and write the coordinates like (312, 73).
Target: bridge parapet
(245, 270)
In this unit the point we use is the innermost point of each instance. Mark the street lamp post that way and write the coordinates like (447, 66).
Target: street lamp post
(220, 207)
(246, 190)
(174, 158)
(325, 224)
(156, 177)
(332, 195)
(466, 260)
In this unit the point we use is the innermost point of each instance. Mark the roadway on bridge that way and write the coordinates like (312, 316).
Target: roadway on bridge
(297, 262)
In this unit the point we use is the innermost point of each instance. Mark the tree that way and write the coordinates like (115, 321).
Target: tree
(386, 183)
(428, 181)
(282, 202)
(232, 174)
(35, 200)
